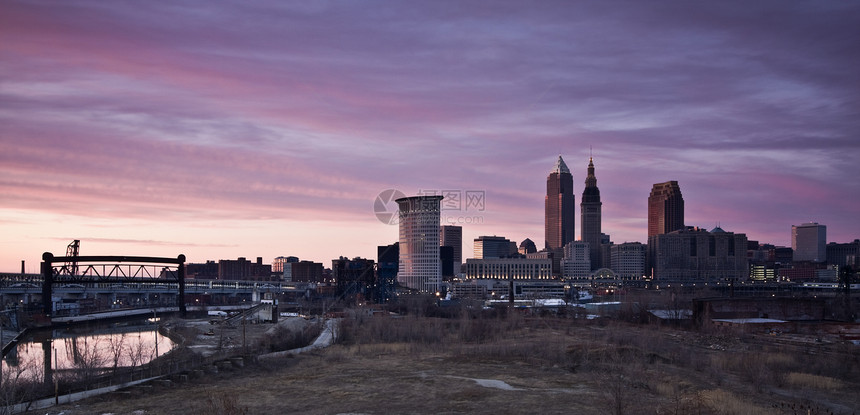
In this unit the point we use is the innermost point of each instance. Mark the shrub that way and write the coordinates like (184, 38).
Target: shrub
(222, 404)
(806, 380)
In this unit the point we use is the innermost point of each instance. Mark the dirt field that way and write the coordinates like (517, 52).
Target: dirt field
(516, 365)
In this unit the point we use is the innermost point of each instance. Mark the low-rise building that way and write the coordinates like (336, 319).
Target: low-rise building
(355, 278)
(509, 268)
(576, 264)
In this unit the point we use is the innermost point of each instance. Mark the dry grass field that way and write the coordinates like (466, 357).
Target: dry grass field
(514, 365)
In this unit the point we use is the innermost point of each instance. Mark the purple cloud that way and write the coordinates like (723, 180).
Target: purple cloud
(257, 111)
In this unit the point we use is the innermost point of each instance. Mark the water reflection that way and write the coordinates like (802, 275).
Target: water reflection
(81, 354)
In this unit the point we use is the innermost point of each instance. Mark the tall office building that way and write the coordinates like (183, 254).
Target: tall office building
(419, 267)
(665, 208)
(453, 236)
(809, 242)
(590, 216)
(559, 221)
(493, 247)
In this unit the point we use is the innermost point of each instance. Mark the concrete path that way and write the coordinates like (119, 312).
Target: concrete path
(73, 397)
(325, 339)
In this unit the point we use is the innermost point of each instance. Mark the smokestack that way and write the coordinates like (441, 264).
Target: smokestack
(22, 267)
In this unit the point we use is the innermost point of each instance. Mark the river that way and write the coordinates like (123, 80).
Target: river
(82, 352)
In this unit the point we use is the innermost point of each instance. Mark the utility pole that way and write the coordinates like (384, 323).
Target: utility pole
(154, 320)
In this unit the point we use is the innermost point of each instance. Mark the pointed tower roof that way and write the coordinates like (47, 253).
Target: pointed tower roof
(590, 179)
(560, 167)
(591, 193)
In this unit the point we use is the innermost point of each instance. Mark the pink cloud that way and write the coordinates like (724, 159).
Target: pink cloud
(306, 111)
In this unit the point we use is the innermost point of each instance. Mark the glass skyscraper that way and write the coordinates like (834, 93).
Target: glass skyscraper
(665, 208)
(559, 221)
(420, 267)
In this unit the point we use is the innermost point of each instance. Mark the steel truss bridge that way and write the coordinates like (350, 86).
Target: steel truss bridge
(24, 287)
(16, 283)
(88, 270)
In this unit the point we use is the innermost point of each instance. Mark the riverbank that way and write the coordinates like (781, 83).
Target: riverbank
(198, 354)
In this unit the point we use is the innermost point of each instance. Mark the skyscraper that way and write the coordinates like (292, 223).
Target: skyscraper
(419, 267)
(559, 204)
(665, 208)
(493, 247)
(452, 236)
(590, 216)
(809, 242)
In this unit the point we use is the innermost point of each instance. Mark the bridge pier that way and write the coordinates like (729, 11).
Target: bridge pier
(47, 284)
(49, 372)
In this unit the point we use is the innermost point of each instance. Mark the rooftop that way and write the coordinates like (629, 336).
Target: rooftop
(560, 166)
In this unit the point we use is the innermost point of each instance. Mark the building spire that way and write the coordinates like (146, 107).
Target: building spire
(591, 179)
(560, 166)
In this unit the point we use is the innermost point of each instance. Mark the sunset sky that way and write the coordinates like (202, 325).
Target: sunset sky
(266, 128)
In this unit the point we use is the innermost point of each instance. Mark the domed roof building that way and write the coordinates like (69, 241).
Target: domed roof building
(527, 247)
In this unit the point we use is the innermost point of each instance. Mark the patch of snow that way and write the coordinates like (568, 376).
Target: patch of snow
(493, 383)
(550, 302)
(672, 314)
(489, 383)
(749, 320)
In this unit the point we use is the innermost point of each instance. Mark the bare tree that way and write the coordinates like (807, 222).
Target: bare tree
(116, 344)
(139, 352)
(20, 384)
(87, 356)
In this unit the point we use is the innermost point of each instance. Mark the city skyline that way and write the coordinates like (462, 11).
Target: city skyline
(268, 129)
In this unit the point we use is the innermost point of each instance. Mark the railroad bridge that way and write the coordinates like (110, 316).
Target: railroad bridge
(73, 270)
(76, 285)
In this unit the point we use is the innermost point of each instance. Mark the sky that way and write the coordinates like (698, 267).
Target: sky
(251, 129)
